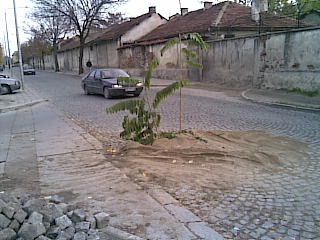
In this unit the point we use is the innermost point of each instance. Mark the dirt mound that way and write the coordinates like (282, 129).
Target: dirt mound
(207, 159)
(238, 148)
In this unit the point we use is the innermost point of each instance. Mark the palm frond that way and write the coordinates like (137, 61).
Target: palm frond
(132, 106)
(195, 39)
(169, 45)
(128, 80)
(154, 64)
(194, 64)
(164, 93)
(189, 53)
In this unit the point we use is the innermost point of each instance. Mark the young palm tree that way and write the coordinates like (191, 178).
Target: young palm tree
(143, 125)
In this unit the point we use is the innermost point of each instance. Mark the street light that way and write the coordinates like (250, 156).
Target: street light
(18, 44)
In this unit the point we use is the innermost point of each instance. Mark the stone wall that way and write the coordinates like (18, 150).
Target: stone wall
(282, 60)
(278, 60)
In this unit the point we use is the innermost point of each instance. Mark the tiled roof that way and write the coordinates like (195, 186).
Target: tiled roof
(112, 32)
(222, 15)
(117, 30)
(69, 43)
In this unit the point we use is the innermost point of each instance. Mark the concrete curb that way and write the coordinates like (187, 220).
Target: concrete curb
(19, 106)
(243, 95)
(112, 233)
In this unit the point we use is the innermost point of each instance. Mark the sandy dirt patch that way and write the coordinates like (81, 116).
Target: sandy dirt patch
(196, 172)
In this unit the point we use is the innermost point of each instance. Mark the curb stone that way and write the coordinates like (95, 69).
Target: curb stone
(243, 95)
(113, 233)
(19, 106)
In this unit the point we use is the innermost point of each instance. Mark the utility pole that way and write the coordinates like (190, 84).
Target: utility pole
(18, 43)
(8, 44)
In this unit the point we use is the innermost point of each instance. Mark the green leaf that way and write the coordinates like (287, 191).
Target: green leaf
(169, 44)
(128, 80)
(194, 64)
(154, 64)
(164, 93)
(189, 53)
(195, 39)
(132, 106)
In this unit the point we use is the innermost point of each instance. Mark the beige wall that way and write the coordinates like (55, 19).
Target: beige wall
(281, 60)
(143, 28)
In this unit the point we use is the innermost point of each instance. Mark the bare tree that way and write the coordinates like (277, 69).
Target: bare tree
(81, 13)
(36, 47)
(53, 27)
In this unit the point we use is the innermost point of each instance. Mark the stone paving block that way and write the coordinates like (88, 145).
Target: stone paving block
(82, 226)
(182, 214)
(53, 232)
(78, 215)
(80, 236)
(63, 222)
(4, 221)
(8, 234)
(63, 207)
(35, 218)
(204, 232)
(31, 231)
(8, 211)
(102, 220)
(14, 225)
(92, 221)
(42, 238)
(20, 215)
(67, 233)
(162, 196)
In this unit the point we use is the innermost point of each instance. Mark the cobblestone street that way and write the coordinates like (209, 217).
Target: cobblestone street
(280, 204)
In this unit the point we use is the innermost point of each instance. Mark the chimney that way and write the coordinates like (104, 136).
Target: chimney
(207, 5)
(184, 11)
(258, 6)
(263, 5)
(152, 9)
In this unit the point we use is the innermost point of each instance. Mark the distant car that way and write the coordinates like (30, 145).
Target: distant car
(1, 68)
(9, 85)
(105, 82)
(28, 70)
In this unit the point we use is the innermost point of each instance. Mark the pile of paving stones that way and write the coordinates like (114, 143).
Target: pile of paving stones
(27, 218)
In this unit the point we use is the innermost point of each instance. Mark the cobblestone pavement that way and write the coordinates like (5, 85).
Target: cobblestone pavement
(283, 204)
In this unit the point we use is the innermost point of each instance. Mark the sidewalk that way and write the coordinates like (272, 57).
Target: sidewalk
(44, 153)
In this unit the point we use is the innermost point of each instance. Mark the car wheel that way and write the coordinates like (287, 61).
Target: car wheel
(85, 89)
(136, 94)
(106, 93)
(5, 89)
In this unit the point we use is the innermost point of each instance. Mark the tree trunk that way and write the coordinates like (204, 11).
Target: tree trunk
(81, 48)
(43, 64)
(55, 57)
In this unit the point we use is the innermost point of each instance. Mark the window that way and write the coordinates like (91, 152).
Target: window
(98, 74)
(91, 75)
(113, 73)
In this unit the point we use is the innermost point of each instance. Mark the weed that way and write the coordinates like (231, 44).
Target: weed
(301, 91)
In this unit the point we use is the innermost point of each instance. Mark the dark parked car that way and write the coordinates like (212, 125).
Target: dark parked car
(9, 85)
(105, 82)
(28, 70)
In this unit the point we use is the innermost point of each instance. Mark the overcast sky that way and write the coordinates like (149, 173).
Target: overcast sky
(132, 8)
